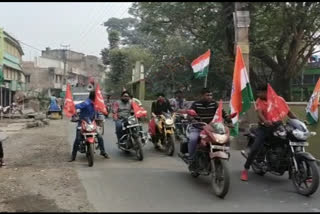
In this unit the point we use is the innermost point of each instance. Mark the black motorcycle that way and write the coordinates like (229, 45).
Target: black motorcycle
(285, 151)
(133, 138)
(181, 123)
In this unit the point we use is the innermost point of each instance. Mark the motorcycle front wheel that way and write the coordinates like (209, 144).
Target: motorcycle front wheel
(90, 154)
(220, 177)
(170, 144)
(306, 178)
(138, 148)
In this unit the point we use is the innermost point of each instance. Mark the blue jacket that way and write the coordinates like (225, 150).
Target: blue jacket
(86, 109)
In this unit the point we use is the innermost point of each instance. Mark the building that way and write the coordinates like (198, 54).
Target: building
(47, 73)
(10, 68)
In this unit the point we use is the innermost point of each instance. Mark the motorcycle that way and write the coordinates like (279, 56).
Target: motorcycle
(133, 138)
(212, 154)
(285, 151)
(88, 131)
(10, 109)
(165, 132)
(181, 123)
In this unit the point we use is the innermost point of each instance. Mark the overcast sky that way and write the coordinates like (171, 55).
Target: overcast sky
(42, 25)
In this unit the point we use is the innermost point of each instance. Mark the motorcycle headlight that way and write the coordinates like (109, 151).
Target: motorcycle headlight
(132, 120)
(220, 138)
(299, 134)
(90, 127)
(169, 122)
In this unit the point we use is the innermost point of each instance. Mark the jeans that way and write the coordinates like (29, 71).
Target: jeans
(193, 140)
(261, 135)
(79, 137)
(119, 133)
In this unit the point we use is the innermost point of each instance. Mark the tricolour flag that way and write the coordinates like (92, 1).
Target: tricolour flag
(312, 108)
(241, 94)
(200, 65)
(69, 108)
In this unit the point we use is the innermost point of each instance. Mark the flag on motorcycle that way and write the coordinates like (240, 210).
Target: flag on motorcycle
(312, 107)
(200, 65)
(99, 102)
(69, 108)
(218, 115)
(241, 93)
(138, 110)
(277, 106)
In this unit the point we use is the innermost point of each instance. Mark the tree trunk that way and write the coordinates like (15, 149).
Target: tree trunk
(282, 85)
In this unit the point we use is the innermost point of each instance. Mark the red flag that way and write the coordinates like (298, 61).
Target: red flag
(277, 106)
(69, 108)
(99, 102)
(138, 110)
(218, 115)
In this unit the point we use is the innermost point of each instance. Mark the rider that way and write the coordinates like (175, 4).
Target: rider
(121, 110)
(265, 127)
(87, 111)
(178, 102)
(157, 108)
(205, 108)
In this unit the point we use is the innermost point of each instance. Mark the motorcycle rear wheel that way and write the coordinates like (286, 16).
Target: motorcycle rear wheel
(299, 178)
(220, 179)
(90, 154)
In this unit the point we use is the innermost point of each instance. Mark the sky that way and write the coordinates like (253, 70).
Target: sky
(52, 24)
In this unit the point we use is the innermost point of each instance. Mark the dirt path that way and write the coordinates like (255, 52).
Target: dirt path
(37, 177)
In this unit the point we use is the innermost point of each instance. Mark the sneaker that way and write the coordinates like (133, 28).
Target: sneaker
(105, 155)
(244, 175)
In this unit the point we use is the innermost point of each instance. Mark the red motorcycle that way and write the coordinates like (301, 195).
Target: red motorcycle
(212, 154)
(88, 131)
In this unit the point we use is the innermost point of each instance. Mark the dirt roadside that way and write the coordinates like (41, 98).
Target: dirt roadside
(37, 177)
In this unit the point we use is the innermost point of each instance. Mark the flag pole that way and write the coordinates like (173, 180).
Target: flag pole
(206, 80)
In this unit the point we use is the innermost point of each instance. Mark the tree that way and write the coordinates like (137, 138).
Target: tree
(114, 39)
(283, 35)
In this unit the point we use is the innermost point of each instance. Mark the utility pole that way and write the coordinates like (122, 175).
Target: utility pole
(64, 57)
(241, 20)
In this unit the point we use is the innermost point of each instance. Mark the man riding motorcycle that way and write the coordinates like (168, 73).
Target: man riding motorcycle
(157, 108)
(178, 102)
(265, 129)
(121, 110)
(87, 111)
(205, 108)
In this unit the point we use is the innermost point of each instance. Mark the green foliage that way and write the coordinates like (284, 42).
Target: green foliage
(114, 39)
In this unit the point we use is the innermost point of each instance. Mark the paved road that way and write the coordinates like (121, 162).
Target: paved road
(161, 184)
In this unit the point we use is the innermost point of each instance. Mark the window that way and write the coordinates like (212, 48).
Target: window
(28, 78)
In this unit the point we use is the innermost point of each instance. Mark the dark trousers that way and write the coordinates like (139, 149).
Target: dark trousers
(1, 150)
(79, 137)
(261, 136)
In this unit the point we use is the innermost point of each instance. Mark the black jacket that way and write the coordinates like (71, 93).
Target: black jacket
(157, 108)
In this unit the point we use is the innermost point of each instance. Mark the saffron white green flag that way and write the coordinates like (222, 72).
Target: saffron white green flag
(312, 108)
(200, 65)
(241, 94)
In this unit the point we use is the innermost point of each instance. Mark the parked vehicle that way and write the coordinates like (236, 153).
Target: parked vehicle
(285, 151)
